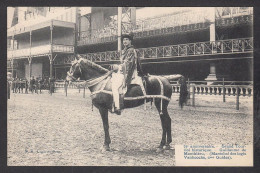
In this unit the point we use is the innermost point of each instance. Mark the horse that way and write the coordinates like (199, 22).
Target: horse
(98, 78)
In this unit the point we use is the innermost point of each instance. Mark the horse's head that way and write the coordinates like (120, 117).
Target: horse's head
(75, 71)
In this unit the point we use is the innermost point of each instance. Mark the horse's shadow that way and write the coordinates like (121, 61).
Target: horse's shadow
(143, 152)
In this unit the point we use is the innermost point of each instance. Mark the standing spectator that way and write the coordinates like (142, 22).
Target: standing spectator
(22, 85)
(19, 85)
(51, 83)
(26, 86)
(16, 85)
(40, 84)
(32, 84)
(13, 85)
(36, 85)
(9, 82)
(8, 90)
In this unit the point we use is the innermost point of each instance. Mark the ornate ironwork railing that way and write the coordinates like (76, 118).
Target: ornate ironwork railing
(63, 48)
(190, 49)
(192, 20)
(39, 50)
(64, 60)
(170, 20)
(227, 12)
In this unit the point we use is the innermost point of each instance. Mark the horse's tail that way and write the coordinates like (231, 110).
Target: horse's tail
(183, 91)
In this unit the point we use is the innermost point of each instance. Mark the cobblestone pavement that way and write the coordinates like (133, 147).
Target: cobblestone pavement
(45, 130)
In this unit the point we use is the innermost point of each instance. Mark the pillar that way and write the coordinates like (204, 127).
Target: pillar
(30, 66)
(212, 75)
(212, 31)
(12, 60)
(51, 65)
(212, 28)
(51, 54)
(119, 27)
(133, 16)
(12, 66)
(51, 58)
(75, 40)
(30, 57)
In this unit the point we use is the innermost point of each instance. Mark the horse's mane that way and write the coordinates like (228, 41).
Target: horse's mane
(93, 65)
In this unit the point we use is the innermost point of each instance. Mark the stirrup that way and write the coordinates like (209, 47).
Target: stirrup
(117, 111)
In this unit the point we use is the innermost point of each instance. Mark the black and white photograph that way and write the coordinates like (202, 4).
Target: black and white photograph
(130, 86)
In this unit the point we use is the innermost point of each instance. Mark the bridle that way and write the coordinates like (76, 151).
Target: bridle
(70, 75)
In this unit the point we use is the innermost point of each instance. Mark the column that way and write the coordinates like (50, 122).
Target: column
(133, 16)
(30, 57)
(12, 60)
(212, 31)
(89, 32)
(119, 28)
(55, 73)
(212, 75)
(75, 40)
(30, 66)
(51, 52)
(212, 28)
(12, 66)
(51, 65)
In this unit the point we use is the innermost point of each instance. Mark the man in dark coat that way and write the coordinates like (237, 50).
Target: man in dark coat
(32, 84)
(40, 84)
(126, 71)
(26, 86)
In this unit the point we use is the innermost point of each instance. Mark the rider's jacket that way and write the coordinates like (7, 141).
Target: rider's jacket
(130, 64)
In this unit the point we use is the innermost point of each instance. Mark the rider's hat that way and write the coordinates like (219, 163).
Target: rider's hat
(130, 36)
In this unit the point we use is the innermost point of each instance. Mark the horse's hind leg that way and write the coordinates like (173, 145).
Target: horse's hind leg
(164, 128)
(166, 124)
(168, 127)
(104, 115)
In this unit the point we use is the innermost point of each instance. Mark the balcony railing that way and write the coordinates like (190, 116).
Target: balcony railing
(109, 33)
(170, 20)
(63, 48)
(173, 20)
(227, 12)
(190, 49)
(39, 51)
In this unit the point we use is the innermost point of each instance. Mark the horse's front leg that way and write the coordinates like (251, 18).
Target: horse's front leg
(104, 115)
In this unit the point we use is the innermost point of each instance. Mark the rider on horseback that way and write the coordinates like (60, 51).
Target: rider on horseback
(129, 68)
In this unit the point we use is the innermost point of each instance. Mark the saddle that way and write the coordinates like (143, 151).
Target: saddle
(136, 80)
(140, 82)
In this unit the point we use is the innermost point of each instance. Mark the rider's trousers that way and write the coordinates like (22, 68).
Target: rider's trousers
(117, 83)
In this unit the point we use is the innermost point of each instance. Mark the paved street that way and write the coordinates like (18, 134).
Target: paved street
(45, 130)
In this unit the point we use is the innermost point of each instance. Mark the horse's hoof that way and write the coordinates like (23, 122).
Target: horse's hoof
(105, 148)
(159, 150)
(167, 147)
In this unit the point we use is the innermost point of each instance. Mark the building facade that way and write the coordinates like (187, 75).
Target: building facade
(37, 39)
(200, 43)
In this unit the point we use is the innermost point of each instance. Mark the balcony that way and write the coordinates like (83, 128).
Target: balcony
(169, 23)
(39, 51)
(109, 33)
(229, 12)
(230, 46)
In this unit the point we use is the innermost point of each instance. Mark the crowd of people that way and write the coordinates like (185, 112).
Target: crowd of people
(34, 85)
